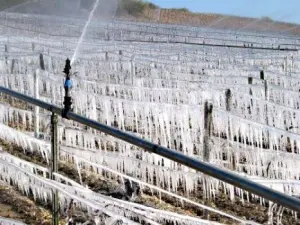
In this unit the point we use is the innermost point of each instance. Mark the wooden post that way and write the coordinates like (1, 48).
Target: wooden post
(12, 66)
(228, 96)
(6, 51)
(11, 99)
(106, 34)
(262, 75)
(266, 90)
(267, 117)
(120, 59)
(267, 99)
(54, 167)
(228, 100)
(266, 139)
(250, 81)
(285, 64)
(133, 71)
(42, 63)
(36, 108)
(208, 108)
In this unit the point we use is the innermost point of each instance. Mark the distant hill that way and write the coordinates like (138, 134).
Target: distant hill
(150, 12)
(143, 11)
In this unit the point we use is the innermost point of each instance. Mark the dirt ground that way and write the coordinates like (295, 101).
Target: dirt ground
(18, 207)
(39, 215)
(7, 211)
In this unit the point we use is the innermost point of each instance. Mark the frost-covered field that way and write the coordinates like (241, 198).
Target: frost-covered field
(134, 77)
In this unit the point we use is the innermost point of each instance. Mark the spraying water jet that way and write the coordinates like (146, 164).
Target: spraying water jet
(84, 31)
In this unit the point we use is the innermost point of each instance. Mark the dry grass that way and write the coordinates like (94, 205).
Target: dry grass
(173, 16)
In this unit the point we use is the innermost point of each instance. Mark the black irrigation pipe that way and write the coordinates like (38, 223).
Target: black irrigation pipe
(216, 172)
(216, 45)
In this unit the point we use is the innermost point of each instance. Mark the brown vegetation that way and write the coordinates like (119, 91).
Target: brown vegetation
(185, 17)
(15, 206)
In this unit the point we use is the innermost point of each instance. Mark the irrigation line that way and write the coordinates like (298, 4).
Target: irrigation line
(216, 45)
(216, 172)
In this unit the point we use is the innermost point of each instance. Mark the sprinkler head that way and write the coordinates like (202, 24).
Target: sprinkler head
(67, 85)
(67, 67)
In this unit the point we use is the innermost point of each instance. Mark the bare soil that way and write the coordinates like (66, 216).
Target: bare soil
(97, 183)
(18, 207)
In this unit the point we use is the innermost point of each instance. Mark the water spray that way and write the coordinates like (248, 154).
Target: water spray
(67, 85)
(84, 31)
